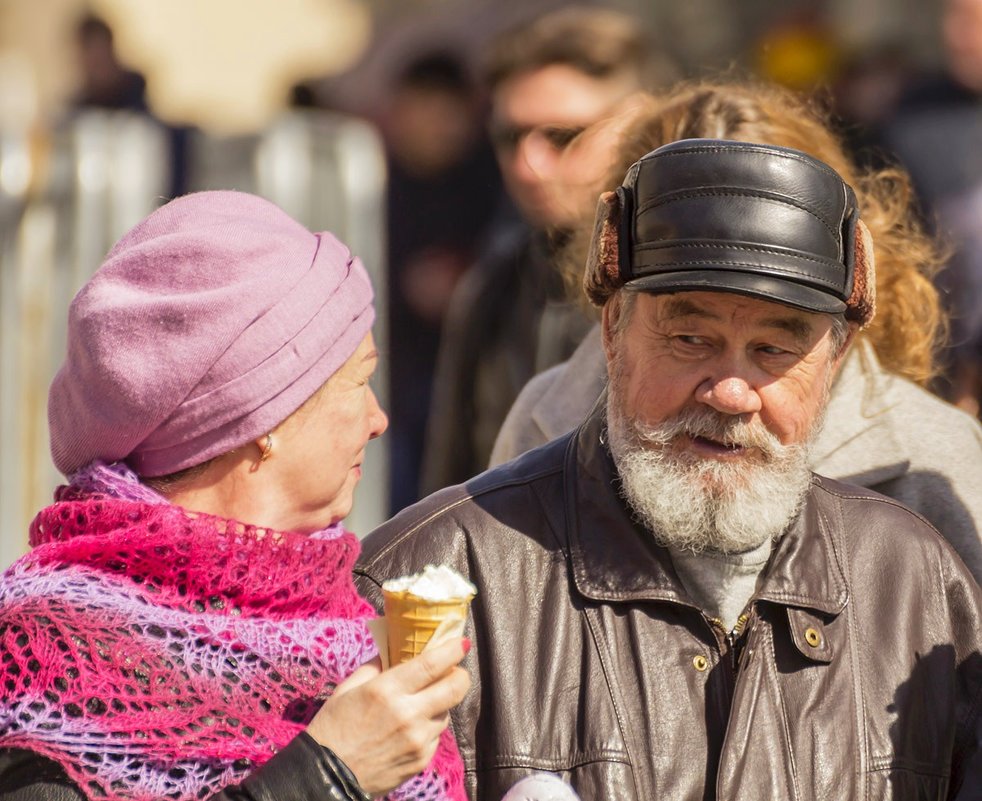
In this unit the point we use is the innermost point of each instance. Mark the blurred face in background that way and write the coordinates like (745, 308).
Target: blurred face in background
(535, 116)
(583, 171)
(431, 129)
(962, 30)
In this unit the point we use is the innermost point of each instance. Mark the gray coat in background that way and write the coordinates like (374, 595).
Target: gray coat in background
(881, 431)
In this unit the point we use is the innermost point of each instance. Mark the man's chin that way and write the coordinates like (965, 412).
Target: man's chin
(719, 475)
(699, 504)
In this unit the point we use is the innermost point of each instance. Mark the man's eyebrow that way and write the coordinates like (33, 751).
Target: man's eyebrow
(798, 327)
(680, 307)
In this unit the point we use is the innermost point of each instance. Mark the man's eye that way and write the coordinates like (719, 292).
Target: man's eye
(689, 339)
(506, 137)
(773, 350)
(559, 138)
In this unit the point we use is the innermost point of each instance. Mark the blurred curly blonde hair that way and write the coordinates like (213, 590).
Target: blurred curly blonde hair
(909, 324)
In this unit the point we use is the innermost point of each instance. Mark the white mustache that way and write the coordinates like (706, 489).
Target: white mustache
(710, 424)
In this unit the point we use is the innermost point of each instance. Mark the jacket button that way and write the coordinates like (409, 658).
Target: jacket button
(700, 663)
(812, 637)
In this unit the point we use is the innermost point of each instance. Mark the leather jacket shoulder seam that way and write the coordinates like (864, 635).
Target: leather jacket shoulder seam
(431, 515)
(877, 498)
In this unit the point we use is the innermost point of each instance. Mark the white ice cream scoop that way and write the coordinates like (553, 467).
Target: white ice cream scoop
(541, 787)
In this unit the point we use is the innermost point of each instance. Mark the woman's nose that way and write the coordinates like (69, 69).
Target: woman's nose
(379, 420)
(729, 395)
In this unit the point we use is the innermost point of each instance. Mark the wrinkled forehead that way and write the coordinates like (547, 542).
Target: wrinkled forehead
(730, 309)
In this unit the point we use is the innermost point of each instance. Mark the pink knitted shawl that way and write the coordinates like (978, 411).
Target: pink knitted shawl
(159, 654)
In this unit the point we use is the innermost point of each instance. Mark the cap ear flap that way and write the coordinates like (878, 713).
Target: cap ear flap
(862, 302)
(602, 274)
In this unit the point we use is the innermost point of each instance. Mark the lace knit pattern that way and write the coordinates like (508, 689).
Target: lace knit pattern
(160, 654)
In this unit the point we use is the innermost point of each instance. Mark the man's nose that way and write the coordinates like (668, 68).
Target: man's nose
(729, 394)
(536, 155)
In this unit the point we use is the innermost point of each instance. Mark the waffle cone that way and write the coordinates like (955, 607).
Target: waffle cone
(412, 621)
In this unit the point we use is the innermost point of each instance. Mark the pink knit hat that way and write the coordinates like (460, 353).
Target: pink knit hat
(208, 324)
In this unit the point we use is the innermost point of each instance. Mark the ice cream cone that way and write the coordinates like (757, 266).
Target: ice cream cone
(412, 621)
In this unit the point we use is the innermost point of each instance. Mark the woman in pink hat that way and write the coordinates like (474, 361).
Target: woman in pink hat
(185, 625)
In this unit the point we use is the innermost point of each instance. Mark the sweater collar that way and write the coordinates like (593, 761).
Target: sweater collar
(859, 442)
(582, 377)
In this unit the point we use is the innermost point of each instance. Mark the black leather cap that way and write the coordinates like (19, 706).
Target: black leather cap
(759, 220)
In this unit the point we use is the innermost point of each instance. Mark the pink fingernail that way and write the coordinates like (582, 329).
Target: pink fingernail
(467, 644)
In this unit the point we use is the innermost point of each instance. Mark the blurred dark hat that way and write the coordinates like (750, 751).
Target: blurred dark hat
(720, 216)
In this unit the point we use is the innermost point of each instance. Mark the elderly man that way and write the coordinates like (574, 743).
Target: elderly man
(671, 606)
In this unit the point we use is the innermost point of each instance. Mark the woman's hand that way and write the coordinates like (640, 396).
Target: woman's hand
(385, 725)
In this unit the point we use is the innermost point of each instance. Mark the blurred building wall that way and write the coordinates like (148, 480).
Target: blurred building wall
(226, 65)
(295, 39)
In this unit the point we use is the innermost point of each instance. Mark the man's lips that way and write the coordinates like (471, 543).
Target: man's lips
(714, 449)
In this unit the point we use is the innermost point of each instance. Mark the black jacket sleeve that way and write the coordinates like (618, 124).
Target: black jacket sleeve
(301, 771)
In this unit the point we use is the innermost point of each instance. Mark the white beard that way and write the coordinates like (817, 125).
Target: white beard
(705, 504)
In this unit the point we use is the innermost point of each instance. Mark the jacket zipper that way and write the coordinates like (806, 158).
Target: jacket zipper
(736, 665)
(729, 639)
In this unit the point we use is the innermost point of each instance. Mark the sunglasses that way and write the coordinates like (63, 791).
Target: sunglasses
(508, 137)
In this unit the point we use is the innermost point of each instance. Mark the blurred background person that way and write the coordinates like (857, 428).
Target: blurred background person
(511, 317)
(963, 283)
(105, 83)
(444, 190)
(883, 429)
(936, 133)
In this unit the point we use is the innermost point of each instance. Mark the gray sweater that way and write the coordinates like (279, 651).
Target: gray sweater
(881, 431)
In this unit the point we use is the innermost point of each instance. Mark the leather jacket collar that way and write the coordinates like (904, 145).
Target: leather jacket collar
(615, 560)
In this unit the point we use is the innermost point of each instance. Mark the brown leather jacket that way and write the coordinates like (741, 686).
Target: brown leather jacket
(858, 675)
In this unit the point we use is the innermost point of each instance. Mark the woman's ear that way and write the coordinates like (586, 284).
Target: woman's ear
(264, 445)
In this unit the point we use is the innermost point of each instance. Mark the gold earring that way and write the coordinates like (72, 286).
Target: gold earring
(267, 448)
